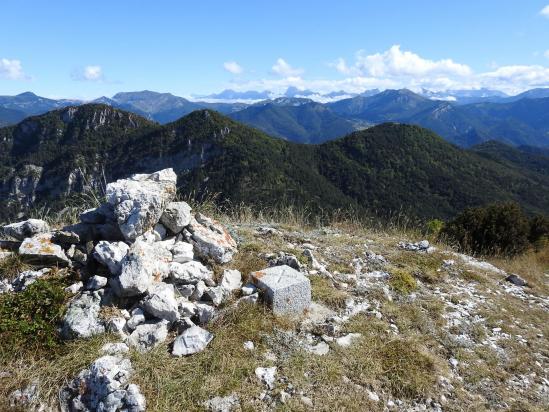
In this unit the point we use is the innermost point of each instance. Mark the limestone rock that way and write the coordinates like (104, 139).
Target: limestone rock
(160, 302)
(222, 404)
(117, 348)
(192, 340)
(182, 252)
(39, 249)
(285, 289)
(211, 239)
(26, 278)
(96, 282)
(191, 273)
(26, 229)
(176, 216)
(140, 200)
(99, 215)
(111, 254)
(267, 376)
(82, 317)
(231, 280)
(105, 387)
(148, 335)
(137, 318)
(143, 265)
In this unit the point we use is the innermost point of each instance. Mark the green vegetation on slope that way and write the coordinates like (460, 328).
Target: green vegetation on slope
(388, 168)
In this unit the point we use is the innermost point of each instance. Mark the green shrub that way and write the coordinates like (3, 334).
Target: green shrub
(497, 229)
(29, 319)
(539, 230)
(402, 281)
(434, 227)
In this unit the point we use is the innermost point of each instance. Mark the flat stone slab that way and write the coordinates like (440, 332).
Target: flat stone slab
(39, 249)
(285, 289)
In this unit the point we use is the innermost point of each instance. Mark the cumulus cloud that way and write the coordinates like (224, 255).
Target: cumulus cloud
(545, 11)
(92, 73)
(233, 67)
(395, 62)
(282, 68)
(12, 69)
(396, 68)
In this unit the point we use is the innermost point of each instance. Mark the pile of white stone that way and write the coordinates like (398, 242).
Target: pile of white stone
(140, 256)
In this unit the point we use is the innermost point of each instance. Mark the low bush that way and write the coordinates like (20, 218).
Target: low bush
(497, 229)
(29, 319)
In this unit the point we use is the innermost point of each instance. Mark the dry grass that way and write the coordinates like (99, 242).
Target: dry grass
(52, 372)
(11, 266)
(532, 266)
(183, 384)
(323, 290)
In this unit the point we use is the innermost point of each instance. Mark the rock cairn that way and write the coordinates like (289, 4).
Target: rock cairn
(140, 257)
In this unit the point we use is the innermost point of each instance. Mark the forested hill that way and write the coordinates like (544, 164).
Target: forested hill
(386, 168)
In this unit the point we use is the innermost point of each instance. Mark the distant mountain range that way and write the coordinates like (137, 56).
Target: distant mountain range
(463, 117)
(48, 159)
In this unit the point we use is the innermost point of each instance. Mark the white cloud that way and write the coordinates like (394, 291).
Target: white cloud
(517, 78)
(92, 73)
(282, 68)
(12, 69)
(395, 62)
(396, 68)
(233, 67)
(546, 54)
(545, 11)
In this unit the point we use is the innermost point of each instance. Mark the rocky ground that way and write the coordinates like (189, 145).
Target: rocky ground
(165, 309)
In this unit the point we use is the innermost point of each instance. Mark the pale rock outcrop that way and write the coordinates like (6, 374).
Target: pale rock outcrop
(231, 280)
(140, 200)
(266, 376)
(222, 404)
(105, 386)
(182, 252)
(26, 278)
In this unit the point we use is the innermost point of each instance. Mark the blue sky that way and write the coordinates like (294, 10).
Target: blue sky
(87, 49)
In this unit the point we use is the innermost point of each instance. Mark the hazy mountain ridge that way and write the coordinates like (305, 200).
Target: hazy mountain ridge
(520, 120)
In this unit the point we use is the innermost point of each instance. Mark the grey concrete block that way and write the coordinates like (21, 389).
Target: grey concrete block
(284, 288)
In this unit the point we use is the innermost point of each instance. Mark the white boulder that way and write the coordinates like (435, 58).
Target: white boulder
(39, 249)
(82, 318)
(192, 340)
(211, 239)
(176, 216)
(143, 265)
(231, 280)
(160, 301)
(140, 200)
(148, 335)
(111, 254)
(191, 273)
(182, 252)
(25, 229)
